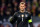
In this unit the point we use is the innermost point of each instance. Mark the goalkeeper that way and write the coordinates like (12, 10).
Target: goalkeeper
(22, 17)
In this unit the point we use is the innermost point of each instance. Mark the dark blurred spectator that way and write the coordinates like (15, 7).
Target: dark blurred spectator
(38, 11)
(38, 25)
(2, 6)
(18, 1)
(13, 1)
(7, 14)
(15, 10)
(33, 9)
(2, 25)
(8, 1)
(16, 25)
(3, 1)
(7, 25)
(28, 9)
(0, 2)
(26, 1)
(9, 6)
(23, 0)
(39, 2)
(1, 16)
(15, 4)
(10, 9)
(34, 1)
(33, 25)
(28, 4)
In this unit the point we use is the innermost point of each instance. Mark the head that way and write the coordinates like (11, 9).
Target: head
(15, 9)
(7, 25)
(9, 4)
(38, 25)
(39, 1)
(10, 9)
(22, 6)
(8, 12)
(28, 9)
(38, 8)
(2, 25)
(34, 6)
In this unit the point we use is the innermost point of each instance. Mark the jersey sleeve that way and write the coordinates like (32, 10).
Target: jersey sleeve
(30, 20)
(14, 18)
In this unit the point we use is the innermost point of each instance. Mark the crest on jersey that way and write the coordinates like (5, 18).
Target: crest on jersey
(26, 15)
(31, 17)
(18, 15)
(22, 15)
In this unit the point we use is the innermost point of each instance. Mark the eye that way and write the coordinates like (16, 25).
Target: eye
(23, 6)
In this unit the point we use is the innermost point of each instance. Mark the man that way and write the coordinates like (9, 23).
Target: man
(22, 17)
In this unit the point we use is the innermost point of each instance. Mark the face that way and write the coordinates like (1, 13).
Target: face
(9, 5)
(15, 9)
(2, 25)
(34, 6)
(39, 1)
(39, 9)
(8, 13)
(7, 25)
(22, 6)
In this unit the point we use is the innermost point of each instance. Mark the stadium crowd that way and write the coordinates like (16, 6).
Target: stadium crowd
(9, 7)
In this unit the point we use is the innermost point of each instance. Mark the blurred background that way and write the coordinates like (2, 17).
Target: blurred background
(9, 7)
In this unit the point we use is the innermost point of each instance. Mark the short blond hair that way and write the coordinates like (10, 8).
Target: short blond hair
(22, 3)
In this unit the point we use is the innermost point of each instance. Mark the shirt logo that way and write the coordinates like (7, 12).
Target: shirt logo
(26, 15)
(22, 15)
(18, 15)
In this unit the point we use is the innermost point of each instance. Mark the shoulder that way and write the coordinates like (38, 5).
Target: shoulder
(15, 13)
(28, 12)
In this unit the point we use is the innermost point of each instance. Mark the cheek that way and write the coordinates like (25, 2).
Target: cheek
(20, 7)
(23, 7)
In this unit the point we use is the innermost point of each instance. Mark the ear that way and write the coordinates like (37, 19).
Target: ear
(19, 7)
(25, 6)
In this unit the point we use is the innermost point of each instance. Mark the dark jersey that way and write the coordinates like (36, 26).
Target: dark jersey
(22, 19)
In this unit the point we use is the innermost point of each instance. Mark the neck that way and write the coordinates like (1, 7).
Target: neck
(22, 11)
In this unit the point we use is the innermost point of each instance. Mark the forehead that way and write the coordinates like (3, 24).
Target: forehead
(22, 4)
